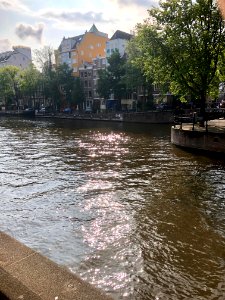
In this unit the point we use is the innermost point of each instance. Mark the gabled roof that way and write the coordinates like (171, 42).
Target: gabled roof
(95, 30)
(77, 40)
(121, 35)
(4, 56)
(74, 41)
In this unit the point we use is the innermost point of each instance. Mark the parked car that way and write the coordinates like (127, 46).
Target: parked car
(42, 110)
(163, 106)
(222, 104)
(67, 110)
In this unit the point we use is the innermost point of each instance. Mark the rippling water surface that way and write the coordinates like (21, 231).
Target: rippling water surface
(117, 204)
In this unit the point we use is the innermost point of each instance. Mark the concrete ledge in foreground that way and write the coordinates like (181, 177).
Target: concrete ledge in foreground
(28, 275)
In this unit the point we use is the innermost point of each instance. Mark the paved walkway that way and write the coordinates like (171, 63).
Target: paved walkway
(28, 275)
(213, 126)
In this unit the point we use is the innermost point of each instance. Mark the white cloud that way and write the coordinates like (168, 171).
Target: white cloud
(73, 16)
(24, 31)
(13, 5)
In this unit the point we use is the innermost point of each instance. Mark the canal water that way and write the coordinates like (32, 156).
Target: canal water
(117, 204)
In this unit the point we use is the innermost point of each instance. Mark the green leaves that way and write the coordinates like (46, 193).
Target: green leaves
(112, 80)
(184, 46)
(104, 84)
(30, 79)
(10, 80)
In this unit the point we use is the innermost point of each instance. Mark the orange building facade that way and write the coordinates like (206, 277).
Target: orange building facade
(82, 49)
(91, 45)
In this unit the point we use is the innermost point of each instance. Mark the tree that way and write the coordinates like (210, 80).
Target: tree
(116, 72)
(182, 44)
(9, 84)
(135, 76)
(112, 80)
(30, 81)
(62, 85)
(78, 94)
(44, 58)
(104, 84)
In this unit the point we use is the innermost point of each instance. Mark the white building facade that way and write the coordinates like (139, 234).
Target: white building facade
(118, 42)
(65, 50)
(19, 57)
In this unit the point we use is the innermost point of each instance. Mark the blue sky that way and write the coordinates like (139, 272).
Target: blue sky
(45, 22)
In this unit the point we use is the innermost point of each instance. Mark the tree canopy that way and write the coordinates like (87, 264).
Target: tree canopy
(112, 80)
(182, 44)
(10, 79)
(30, 80)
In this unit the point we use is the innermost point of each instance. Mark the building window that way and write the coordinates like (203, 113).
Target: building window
(82, 52)
(75, 69)
(89, 94)
(69, 54)
(91, 46)
(98, 45)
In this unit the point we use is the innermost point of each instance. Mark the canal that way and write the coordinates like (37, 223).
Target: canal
(117, 204)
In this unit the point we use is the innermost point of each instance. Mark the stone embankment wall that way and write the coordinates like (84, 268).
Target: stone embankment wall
(154, 117)
(200, 140)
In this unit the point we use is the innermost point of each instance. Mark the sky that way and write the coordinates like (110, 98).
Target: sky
(40, 23)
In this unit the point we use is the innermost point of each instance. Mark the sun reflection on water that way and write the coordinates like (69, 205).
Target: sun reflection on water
(105, 144)
(109, 235)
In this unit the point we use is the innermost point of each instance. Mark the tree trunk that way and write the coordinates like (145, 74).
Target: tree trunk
(202, 109)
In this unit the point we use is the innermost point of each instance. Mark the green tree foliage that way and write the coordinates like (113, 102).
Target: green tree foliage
(61, 84)
(135, 76)
(58, 83)
(182, 44)
(77, 94)
(30, 80)
(116, 72)
(112, 80)
(10, 80)
(104, 84)
(43, 58)
(135, 72)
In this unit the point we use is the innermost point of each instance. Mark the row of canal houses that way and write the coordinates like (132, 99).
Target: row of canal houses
(85, 54)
